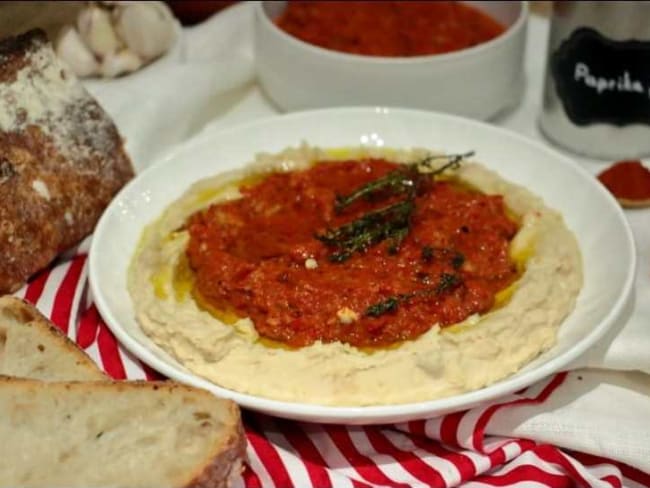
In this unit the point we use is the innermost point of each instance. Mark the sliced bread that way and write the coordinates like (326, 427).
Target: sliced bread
(32, 347)
(90, 433)
(116, 434)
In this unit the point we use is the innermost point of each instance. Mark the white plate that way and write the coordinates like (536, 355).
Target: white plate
(598, 222)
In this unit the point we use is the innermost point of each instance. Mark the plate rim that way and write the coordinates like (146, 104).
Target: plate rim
(341, 414)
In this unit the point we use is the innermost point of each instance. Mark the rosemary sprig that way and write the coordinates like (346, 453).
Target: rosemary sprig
(395, 182)
(385, 306)
(391, 222)
(447, 282)
(402, 180)
(396, 240)
(429, 253)
(424, 166)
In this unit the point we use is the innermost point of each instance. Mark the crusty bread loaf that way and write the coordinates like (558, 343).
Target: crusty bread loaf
(32, 347)
(116, 434)
(61, 158)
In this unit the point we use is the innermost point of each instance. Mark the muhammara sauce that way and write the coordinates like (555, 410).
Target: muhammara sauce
(264, 256)
(391, 29)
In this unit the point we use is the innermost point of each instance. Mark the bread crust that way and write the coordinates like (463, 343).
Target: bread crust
(227, 461)
(61, 159)
(627, 203)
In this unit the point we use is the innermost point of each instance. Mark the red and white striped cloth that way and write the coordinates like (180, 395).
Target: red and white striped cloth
(453, 450)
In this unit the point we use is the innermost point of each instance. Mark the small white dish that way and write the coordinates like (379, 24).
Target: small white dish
(478, 82)
(594, 216)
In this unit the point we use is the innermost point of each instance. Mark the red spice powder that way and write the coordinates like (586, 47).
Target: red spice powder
(627, 180)
(391, 29)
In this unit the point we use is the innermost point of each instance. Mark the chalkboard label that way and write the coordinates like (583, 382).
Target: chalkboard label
(603, 81)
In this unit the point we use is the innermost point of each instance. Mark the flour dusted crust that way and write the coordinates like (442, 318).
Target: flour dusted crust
(61, 158)
(440, 363)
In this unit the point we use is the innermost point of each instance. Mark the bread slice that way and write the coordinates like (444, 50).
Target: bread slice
(94, 433)
(61, 158)
(116, 434)
(32, 347)
(628, 203)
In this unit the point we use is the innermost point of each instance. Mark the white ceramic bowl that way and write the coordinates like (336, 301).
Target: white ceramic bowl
(477, 82)
(589, 210)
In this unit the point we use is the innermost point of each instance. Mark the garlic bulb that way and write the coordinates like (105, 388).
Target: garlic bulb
(95, 27)
(115, 38)
(119, 63)
(147, 28)
(71, 48)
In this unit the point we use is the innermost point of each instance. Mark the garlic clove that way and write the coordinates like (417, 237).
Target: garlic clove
(70, 47)
(119, 63)
(147, 28)
(96, 30)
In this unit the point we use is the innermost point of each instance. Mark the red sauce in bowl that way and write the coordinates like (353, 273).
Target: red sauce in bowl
(390, 29)
(258, 256)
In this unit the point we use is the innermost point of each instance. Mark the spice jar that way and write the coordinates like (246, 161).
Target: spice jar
(597, 87)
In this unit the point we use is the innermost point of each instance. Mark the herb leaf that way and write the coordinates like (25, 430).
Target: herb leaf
(392, 222)
(380, 308)
(424, 166)
(396, 240)
(398, 181)
(447, 282)
(403, 180)
(427, 254)
(458, 260)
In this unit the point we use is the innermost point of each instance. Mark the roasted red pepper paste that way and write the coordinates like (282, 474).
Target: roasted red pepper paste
(258, 256)
(627, 180)
(391, 29)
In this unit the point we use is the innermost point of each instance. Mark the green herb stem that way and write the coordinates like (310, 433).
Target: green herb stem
(447, 282)
(402, 180)
(392, 222)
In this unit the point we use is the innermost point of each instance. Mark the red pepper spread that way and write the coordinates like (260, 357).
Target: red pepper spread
(628, 181)
(264, 256)
(391, 29)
